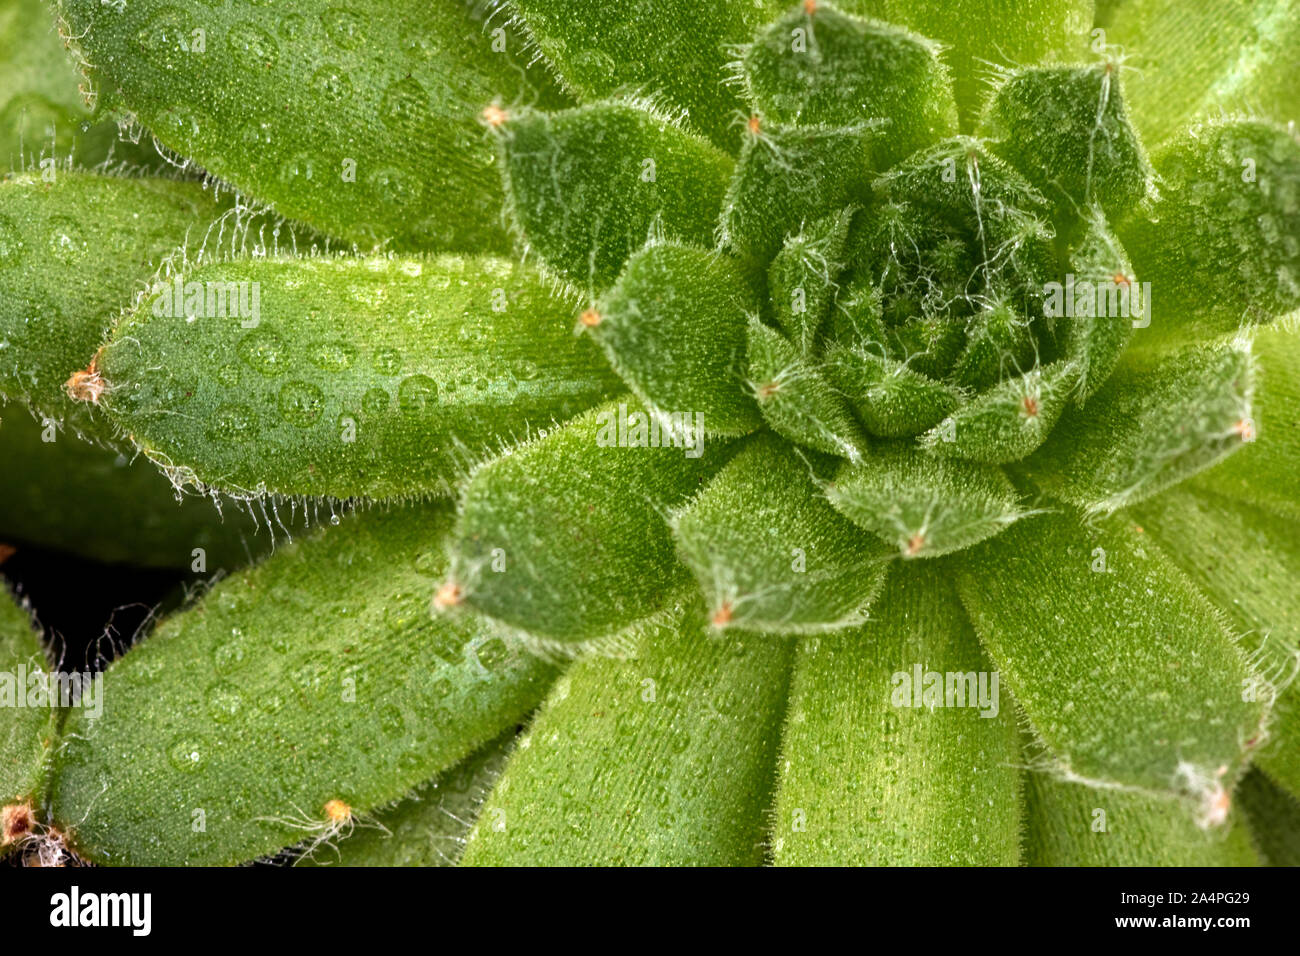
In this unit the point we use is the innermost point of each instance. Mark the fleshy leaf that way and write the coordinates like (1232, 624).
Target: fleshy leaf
(675, 51)
(674, 327)
(1008, 421)
(797, 402)
(60, 291)
(937, 785)
(28, 727)
(923, 505)
(1066, 129)
(1000, 340)
(565, 536)
(1256, 589)
(979, 34)
(587, 187)
(429, 827)
(664, 759)
(788, 176)
(366, 126)
(1264, 471)
(1201, 60)
(345, 377)
(857, 318)
(819, 66)
(1105, 303)
(802, 278)
(1155, 424)
(768, 551)
(1074, 825)
(1220, 247)
(891, 399)
(1125, 671)
(285, 702)
(1274, 817)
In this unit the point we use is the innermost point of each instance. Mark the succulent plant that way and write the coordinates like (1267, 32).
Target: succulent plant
(729, 433)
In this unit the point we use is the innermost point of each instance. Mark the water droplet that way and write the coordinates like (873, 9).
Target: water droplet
(228, 375)
(429, 564)
(234, 423)
(231, 654)
(409, 762)
(332, 356)
(178, 124)
(292, 25)
(186, 753)
(333, 82)
(224, 702)
(264, 352)
(417, 394)
(375, 401)
(66, 243)
(165, 36)
(252, 40)
(404, 103)
(258, 135)
(301, 403)
(308, 673)
(345, 27)
(388, 361)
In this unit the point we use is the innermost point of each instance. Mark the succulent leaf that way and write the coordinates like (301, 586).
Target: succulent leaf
(1146, 692)
(28, 726)
(274, 720)
(1152, 426)
(674, 328)
(329, 145)
(940, 787)
(1102, 274)
(1009, 421)
(1200, 60)
(819, 66)
(889, 397)
(795, 399)
(801, 280)
(1219, 246)
(769, 553)
(1256, 589)
(58, 293)
(1263, 472)
(705, 714)
(565, 537)
(587, 187)
(923, 505)
(675, 52)
(1066, 130)
(344, 377)
(999, 341)
(790, 176)
(1076, 825)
